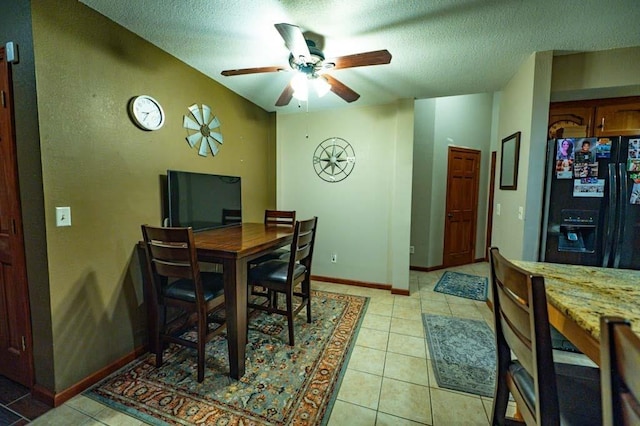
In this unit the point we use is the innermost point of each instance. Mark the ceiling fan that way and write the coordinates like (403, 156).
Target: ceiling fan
(309, 64)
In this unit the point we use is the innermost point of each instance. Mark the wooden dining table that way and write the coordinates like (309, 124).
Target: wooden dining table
(233, 247)
(577, 296)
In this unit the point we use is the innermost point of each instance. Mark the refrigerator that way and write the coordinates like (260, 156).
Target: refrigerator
(592, 202)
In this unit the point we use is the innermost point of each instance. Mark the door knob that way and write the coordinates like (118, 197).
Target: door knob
(450, 215)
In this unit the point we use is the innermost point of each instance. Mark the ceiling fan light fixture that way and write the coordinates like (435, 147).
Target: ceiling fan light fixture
(308, 59)
(299, 86)
(321, 85)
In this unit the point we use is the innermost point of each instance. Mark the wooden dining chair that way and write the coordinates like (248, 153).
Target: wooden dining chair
(279, 276)
(280, 217)
(231, 216)
(177, 282)
(283, 219)
(620, 372)
(546, 393)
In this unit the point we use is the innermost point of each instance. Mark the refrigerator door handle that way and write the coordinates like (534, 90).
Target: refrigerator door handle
(550, 170)
(611, 215)
(622, 213)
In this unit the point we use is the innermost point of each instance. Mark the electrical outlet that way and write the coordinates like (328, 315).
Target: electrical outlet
(334, 258)
(412, 249)
(520, 213)
(63, 216)
(498, 209)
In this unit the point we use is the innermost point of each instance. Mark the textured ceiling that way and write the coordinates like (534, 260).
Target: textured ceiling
(439, 48)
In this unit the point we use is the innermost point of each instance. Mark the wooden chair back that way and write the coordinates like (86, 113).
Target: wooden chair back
(231, 216)
(304, 236)
(172, 255)
(522, 326)
(280, 217)
(620, 372)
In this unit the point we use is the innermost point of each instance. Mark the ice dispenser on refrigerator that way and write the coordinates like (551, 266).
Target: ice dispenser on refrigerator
(578, 231)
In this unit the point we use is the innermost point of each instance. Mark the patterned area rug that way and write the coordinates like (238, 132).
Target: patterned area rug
(463, 285)
(282, 384)
(463, 353)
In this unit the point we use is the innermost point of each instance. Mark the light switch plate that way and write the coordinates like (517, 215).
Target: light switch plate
(11, 51)
(63, 216)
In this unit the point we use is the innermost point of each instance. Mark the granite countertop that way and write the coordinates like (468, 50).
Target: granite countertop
(585, 293)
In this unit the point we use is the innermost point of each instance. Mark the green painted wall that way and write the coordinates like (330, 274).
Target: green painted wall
(109, 172)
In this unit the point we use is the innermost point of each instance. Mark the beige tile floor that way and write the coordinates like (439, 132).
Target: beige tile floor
(389, 378)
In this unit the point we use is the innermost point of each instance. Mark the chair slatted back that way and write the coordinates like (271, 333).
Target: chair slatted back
(171, 254)
(515, 312)
(230, 216)
(280, 217)
(303, 241)
(620, 372)
(520, 304)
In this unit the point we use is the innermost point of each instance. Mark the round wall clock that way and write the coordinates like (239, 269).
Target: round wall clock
(334, 159)
(201, 130)
(146, 112)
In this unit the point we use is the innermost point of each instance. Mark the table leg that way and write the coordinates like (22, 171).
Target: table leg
(235, 293)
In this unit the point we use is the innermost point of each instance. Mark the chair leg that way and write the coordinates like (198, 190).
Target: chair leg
(202, 333)
(306, 290)
(159, 355)
(159, 329)
(500, 401)
(290, 316)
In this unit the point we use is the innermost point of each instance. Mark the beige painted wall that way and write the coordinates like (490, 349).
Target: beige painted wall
(371, 208)
(109, 171)
(463, 121)
(593, 75)
(522, 103)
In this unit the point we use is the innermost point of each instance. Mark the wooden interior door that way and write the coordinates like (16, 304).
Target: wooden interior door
(462, 206)
(16, 357)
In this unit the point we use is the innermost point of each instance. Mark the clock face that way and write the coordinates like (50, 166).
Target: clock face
(146, 112)
(334, 159)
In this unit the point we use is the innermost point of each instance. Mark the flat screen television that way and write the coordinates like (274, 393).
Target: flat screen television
(203, 201)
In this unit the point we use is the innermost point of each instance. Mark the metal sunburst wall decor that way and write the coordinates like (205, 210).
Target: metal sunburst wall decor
(202, 126)
(334, 159)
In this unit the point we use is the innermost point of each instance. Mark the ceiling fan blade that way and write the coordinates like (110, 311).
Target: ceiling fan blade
(286, 96)
(341, 89)
(294, 40)
(377, 57)
(258, 70)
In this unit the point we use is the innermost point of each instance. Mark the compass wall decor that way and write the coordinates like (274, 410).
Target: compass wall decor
(201, 129)
(334, 159)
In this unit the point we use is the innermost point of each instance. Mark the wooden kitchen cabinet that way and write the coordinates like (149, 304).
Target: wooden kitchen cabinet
(595, 117)
(613, 120)
(562, 117)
